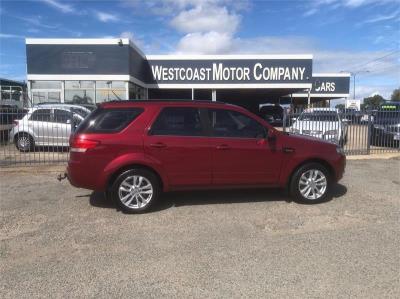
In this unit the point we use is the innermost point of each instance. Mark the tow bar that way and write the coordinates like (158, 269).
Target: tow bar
(61, 176)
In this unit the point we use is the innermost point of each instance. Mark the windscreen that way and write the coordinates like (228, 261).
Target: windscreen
(319, 116)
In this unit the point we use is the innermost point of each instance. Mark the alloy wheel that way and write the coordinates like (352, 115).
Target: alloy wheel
(313, 184)
(135, 192)
(24, 142)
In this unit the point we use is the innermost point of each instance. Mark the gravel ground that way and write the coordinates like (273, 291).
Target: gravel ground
(58, 241)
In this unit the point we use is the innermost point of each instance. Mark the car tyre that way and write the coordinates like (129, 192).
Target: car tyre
(24, 142)
(311, 184)
(136, 190)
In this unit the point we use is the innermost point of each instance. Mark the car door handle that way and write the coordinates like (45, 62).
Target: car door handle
(158, 145)
(223, 147)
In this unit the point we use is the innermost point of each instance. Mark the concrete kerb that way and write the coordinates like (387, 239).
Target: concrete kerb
(381, 156)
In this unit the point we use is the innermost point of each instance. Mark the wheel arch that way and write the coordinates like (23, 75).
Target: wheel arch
(113, 176)
(24, 132)
(323, 162)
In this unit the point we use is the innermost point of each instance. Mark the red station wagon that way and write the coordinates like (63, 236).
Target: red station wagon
(134, 150)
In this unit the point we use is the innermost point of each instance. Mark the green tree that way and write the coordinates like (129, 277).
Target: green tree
(395, 95)
(374, 101)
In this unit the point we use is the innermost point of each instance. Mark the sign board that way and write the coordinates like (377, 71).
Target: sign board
(328, 86)
(353, 104)
(243, 71)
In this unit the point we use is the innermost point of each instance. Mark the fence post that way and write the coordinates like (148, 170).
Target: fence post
(284, 120)
(369, 133)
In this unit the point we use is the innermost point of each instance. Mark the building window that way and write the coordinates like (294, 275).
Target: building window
(136, 92)
(46, 91)
(46, 84)
(13, 93)
(79, 92)
(110, 91)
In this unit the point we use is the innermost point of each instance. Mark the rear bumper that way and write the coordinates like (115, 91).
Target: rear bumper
(82, 177)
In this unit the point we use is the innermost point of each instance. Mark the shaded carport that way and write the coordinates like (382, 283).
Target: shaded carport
(249, 98)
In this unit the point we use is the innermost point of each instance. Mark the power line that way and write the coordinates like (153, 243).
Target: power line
(376, 59)
(376, 72)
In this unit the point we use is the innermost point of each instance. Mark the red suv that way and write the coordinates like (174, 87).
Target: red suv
(134, 150)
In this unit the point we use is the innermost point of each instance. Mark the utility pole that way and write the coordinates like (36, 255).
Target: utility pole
(354, 74)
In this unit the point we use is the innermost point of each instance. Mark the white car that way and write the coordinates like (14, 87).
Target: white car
(46, 125)
(323, 123)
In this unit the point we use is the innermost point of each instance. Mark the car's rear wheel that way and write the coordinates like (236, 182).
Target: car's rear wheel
(24, 142)
(311, 183)
(136, 190)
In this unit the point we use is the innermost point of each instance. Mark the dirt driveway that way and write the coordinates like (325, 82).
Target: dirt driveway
(58, 241)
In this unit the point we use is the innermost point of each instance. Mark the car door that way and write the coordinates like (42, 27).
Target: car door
(61, 127)
(241, 153)
(177, 140)
(40, 124)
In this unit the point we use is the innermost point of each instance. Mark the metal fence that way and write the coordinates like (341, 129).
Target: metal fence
(358, 132)
(41, 136)
(34, 137)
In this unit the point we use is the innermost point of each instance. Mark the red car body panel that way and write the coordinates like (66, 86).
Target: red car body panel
(184, 162)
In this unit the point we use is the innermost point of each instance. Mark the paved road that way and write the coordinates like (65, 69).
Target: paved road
(58, 241)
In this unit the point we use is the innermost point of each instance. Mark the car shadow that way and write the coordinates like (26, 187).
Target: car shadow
(210, 197)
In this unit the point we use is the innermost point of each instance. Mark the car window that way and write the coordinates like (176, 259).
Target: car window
(62, 116)
(178, 121)
(41, 115)
(227, 123)
(79, 111)
(108, 120)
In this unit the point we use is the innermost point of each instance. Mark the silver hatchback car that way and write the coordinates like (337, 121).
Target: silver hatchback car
(47, 125)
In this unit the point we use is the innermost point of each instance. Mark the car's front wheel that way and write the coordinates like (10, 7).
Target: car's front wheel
(136, 190)
(311, 183)
(24, 142)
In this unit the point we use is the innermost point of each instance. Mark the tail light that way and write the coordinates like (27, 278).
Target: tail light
(81, 145)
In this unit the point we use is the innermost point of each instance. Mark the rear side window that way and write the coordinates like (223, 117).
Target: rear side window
(227, 123)
(108, 120)
(62, 116)
(178, 121)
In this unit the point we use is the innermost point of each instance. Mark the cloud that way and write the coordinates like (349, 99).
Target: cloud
(310, 12)
(137, 41)
(364, 91)
(205, 43)
(350, 3)
(381, 18)
(171, 7)
(6, 35)
(205, 18)
(63, 7)
(106, 17)
(37, 21)
(314, 6)
(209, 26)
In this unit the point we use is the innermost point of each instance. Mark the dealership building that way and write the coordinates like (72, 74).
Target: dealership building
(90, 71)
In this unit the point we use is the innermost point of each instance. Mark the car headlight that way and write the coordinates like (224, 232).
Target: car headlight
(380, 127)
(340, 150)
(331, 132)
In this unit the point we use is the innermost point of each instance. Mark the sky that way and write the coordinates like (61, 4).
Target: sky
(358, 36)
